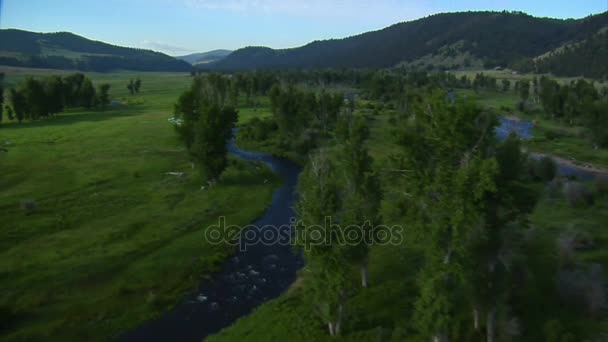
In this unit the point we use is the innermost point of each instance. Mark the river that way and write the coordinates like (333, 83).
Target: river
(252, 276)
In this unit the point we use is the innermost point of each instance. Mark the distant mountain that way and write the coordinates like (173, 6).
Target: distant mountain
(448, 40)
(205, 57)
(64, 50)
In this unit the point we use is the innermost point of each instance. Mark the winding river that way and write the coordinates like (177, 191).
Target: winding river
(261, 271)
(252, 276)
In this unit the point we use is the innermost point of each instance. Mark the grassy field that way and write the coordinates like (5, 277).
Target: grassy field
(113, 239)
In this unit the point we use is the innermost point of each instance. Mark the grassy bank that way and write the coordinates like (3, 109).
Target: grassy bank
(97, 236)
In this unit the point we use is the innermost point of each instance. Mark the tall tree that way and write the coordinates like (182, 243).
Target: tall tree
(137, 85)
(318, 203)
(362, 195)
(19, 104)
(205, 124)
(445, 178)
(103, 95)
(87, 93)
(54, 89)
(131, 87)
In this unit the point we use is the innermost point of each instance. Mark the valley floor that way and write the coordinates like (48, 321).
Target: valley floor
(97, 234)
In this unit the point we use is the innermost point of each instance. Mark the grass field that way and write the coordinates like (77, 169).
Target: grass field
(114, 240)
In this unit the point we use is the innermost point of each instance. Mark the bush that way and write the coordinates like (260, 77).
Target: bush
(551, 135)
(554, 188)
(601, 185)
(29, 206)
(544, 169)
(577, 194)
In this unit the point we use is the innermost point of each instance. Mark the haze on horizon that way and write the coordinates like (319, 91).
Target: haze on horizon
(179, 27)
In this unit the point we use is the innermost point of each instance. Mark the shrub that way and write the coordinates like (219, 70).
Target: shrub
(545, 169)
(601, 185)
(29, 206)
(577, 194)
(551, 135)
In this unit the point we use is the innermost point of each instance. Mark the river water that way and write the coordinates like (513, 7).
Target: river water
(252, 276)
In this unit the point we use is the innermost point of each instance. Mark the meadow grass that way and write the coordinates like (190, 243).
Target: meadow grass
(113, 239)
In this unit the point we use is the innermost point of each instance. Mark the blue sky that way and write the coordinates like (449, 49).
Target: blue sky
(183, 26)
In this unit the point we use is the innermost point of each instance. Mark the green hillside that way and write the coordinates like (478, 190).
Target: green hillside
(494, 38)
(64, 50)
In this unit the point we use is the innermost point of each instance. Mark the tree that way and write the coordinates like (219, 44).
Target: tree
(54, 89)
(524, 90)
(205, 124)
(1, 95)
(495, 244)
(103, 96)
(362, 195)
(131, 87)
(19, 104)
(445, 177)
(87, 93)
(318, 202)
(505, 85)
(137, 85)
(36, 104)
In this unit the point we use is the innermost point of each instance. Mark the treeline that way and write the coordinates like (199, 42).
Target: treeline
(35, 99)
(578, 102)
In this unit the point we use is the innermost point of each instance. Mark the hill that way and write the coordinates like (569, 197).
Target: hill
(205, 57)
(492, 38)
(64, 50)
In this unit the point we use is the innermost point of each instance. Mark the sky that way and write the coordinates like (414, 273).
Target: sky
(179, 27)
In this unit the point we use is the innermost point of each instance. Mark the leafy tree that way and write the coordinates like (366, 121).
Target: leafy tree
(131, 87)
(446, 177)
(19, 104)
(137, 85)
(87, 93)
(524, 90)
(318, 203)
(505, 85)
(103, 96)
(55, 99)
(205, 124)
(362, 195)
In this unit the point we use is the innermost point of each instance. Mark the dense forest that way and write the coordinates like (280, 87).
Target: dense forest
(505, 39)
(481, 270)
(64, 50)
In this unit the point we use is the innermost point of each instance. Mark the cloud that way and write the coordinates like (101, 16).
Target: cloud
(164, 47)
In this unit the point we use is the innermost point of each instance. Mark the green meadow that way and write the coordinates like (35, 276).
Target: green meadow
(102, 216)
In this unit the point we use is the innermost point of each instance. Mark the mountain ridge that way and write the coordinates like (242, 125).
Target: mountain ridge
(496, 38)
(66, 50)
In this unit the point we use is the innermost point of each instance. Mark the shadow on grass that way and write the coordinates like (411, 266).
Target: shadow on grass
(76, 116)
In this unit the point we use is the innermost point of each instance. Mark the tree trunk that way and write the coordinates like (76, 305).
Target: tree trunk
(364, 275)
(476, 319)
(330, 325)
(491, 321)
(338, 325)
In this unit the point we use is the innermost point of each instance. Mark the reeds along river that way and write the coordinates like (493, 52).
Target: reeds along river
(260, 272)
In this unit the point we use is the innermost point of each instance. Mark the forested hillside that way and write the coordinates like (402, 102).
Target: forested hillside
(204, 57)
(508, 39)
(64, 50)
